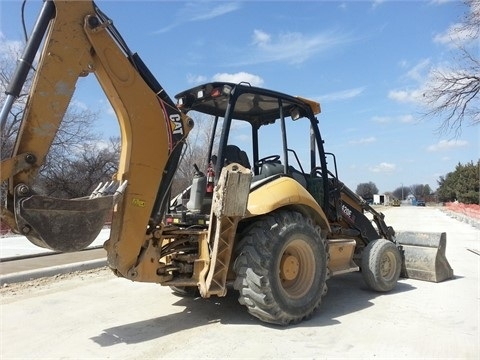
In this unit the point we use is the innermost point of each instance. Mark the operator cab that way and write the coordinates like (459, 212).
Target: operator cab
(271, 133)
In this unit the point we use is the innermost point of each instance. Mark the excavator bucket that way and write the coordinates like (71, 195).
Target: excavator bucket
(66, 225)
(424, 256)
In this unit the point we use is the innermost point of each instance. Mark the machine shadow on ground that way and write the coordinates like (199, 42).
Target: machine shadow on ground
(346, 294)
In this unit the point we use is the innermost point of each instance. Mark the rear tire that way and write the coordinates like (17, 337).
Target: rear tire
(281, 268)
(381, 265)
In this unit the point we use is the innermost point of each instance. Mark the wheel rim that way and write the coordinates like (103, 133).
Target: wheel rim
(388, 266)
(297, 269)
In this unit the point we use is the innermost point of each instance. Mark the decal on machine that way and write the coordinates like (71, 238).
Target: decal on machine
(348, 213)
(138, 202)
(176, 122)
(173, 118)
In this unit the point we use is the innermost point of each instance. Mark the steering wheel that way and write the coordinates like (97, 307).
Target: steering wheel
(267, 159)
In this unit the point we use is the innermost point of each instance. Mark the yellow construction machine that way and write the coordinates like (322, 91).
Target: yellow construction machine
(272, 220)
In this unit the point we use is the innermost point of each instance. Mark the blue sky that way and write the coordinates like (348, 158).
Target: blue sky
(364, 61)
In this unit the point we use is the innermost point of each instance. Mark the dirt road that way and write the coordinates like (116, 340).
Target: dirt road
(95, 315)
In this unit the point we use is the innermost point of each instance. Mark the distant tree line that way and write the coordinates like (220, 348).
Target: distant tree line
(461, 185)
(419, 191)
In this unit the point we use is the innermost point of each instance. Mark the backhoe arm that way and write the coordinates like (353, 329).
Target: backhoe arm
(80, 40)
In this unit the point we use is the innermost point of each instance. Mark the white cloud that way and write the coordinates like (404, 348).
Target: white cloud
(200, 11)
(393, 119)
(101, 144)
(406, 118)
(367, 140)
(290, 47)
(440, 2)
(445, 145)
(105, 107)
(342, 95)
(196, 79)
(8, 48)
(383, 168)
(376, 3)
(109, 111)
(381, 119)
(418, 72)
(403, 63)
(415, 94)
(243, 138)
(405, 96)
(455, 35)
(79, 104)
(260, 37)
(236, 78)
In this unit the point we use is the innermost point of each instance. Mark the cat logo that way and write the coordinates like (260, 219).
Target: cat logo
(176, 124)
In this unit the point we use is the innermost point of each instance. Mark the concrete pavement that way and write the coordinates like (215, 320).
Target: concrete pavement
(96, 315)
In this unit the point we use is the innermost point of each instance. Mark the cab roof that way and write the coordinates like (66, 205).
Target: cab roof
(253, 104)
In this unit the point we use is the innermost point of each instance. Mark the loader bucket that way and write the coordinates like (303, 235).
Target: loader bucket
(424, 256)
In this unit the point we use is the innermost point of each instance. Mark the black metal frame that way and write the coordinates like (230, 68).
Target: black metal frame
(228, 109)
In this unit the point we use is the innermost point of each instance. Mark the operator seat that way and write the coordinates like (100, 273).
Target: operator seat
(233, 154)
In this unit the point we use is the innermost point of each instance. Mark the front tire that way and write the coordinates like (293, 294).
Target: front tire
(381, 265)
(282, 268)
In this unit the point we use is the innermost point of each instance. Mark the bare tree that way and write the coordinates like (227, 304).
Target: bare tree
(367, 190)
(401, 192)
(420, 191)
(75, 150)
(78, 174)
(452, 92)
(11, 52)
(75, 129)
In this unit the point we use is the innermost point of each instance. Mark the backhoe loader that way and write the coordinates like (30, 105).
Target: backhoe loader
(270, 220)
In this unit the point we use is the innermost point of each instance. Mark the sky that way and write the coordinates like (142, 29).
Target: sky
(366, 62)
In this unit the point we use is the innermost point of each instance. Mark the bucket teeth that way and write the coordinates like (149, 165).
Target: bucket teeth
(109, 188)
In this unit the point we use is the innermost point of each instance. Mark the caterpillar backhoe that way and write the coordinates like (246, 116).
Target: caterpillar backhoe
(270, 220)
